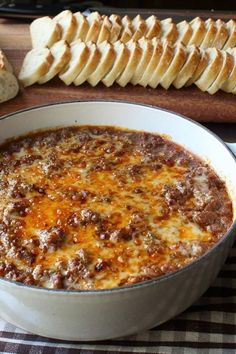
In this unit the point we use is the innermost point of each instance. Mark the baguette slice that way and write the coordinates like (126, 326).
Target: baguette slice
(212, 69)
(107, 59)
(203, 62)
(105, 31)
(153, 27)
(90, 66)
(62, 55)
(222, 35)
(122, 57)
(169, 30)
(44, 32)
(162, 65)
(153, 63)
(230, 83)
(35, 65)
(95, 22)
(68, 25)
(82, 26)
(147, 50)
(4, 63)
(79, 55)
(185, 32)
(231, 42)
(139, 28)
(134, 57)
(8, 85)
(188, 68)
(199, 30)
(175, 66)
(210, 35)
(226, 69)
(116, 28)
(127, 32)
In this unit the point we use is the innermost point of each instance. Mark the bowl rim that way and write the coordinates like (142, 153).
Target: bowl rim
(142, 284)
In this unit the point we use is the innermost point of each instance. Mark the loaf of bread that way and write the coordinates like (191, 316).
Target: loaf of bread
(8, 82)
(145, 62)
(98, 28)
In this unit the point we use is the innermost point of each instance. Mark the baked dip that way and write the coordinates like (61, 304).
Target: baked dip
(102, 207)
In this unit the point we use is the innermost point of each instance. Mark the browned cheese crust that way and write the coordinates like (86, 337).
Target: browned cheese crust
(101, 207)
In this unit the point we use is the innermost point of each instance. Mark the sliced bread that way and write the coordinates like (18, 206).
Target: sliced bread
(90, 66)
(212, 69)
(68, 25)
(189, 67)
(162, 65)
(35, 65)
(147, 50)
(121, 60)
(107, 58)
(61, 56)
(153, 63)
(225, 70)
(175, 66)
(82, 26)
(230, 83)
(185, 32)
(199, 30)
(44, 32)
(135, 53)
(79, 56)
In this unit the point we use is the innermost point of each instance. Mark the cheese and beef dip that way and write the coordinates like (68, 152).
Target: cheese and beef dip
(101, 207)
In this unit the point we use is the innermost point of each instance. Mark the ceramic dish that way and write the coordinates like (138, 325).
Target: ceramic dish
(104, 314)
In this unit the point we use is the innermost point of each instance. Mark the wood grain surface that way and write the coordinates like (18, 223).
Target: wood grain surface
(15, 41)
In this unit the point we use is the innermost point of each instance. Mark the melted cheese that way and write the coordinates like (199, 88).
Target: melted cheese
(98, 209)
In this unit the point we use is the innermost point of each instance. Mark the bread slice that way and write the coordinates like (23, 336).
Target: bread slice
(226, 69)
(175, 66)
(153, 27)
(231, 27)
(68, 25)
(62, 55)
(90, 66)
(44, 32)
(203, 62)
(135, 53)
(222, 35)
(8, 85)
(127, 32)
(121, 60)
(185, 32)
(162, 65)
(147, 50)
(107, 59)
(105, 31)
(153, 63)
(82, 26)
(35, 65)
(139, 28)
(210, 35)
(212, 69)
(95, 22)
(189, 67)
(4, 63)
(116, 28)
(199, 31)
(230, 83)
(79, 56)
(169, 30)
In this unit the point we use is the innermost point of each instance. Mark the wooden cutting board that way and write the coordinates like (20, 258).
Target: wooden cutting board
(191, 102)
